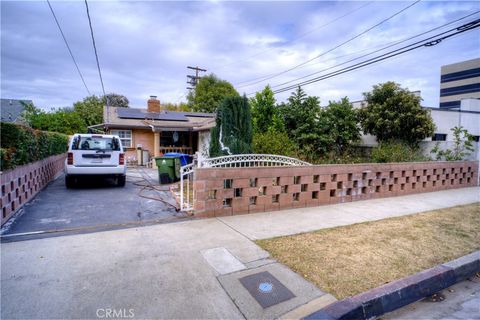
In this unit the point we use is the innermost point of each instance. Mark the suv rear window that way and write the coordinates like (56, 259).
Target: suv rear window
(95, 143)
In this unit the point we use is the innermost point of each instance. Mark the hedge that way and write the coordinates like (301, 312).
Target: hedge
(21, 145)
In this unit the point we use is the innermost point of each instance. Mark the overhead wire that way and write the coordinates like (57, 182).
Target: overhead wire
(428, 42)
(335, 47)
(68, 47)
(377, 59)
(392, 44)
(95, 49)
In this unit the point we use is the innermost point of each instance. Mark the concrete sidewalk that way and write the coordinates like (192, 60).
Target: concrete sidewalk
(181, 270)
(286, 222)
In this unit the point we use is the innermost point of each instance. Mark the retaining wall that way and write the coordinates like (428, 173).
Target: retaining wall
(22, 183)
(230, 191)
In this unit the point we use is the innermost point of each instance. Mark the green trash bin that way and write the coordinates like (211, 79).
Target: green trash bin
(168, 169)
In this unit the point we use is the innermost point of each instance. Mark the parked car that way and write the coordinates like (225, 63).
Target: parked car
(95, 155)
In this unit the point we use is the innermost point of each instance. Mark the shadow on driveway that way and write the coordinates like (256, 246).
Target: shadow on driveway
(94, 205)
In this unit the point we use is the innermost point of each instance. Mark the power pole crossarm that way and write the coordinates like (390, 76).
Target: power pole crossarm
(193, 79)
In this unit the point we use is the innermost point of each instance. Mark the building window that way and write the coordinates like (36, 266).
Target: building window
(476, 138)
(125, 137)
(439, 137)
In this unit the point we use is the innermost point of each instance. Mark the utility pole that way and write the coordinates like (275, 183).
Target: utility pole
(193, 79)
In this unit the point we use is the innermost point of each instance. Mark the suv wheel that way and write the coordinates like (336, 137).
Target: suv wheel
(121, 181)
(69, 182)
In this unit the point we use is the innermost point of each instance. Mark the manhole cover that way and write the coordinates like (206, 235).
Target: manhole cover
(266, 289)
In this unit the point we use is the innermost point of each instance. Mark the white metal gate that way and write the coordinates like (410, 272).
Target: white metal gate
(187, 192)
(186, 187)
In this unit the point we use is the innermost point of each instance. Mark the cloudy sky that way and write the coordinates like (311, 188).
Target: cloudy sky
(145, 46)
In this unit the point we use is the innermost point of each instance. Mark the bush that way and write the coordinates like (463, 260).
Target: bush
(274, 142)
(21, 145)
(396, 152)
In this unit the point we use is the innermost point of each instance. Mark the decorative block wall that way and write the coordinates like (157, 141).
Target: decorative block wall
(231, 191)
(22, 183)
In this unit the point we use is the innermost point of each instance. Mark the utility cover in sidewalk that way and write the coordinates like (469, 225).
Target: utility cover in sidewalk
(266, 289)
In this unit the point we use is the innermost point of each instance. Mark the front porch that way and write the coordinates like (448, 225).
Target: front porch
(139, 142)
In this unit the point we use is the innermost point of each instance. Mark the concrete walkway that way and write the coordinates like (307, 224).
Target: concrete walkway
(181, 270)
(286, 222)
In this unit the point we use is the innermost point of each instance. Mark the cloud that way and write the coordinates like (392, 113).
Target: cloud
(145, 47)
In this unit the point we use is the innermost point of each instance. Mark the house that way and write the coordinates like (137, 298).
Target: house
(158, 131)
(12, 109)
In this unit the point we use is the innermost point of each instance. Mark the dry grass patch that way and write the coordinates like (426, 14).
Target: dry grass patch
(345, 261)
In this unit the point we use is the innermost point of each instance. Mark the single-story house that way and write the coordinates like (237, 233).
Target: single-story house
(12, 109)
(158, 131)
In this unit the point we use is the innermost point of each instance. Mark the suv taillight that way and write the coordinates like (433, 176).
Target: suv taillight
(121, 159)
(70, 158)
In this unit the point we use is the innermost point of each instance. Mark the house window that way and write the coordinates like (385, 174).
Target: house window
(125, 137)
(439, 137)
(476, 138)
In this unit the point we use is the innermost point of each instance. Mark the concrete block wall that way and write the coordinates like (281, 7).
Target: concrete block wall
(231, 191)
(22, 183)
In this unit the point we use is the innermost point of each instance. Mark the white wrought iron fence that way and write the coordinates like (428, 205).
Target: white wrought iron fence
(252, 160)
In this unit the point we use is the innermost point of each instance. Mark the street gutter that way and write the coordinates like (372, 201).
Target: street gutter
(378, 301)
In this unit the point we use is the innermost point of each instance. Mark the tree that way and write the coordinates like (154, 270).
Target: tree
(394, 113)
(462, 146)
(342, 124)
(90, 109)
(301, 115)
(182, 106)
(265, 115)
(116, 100)
(209, 93)
(233, 131)
(61, 120)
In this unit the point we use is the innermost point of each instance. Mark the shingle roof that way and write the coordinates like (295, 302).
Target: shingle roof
(174, 120)
(12, 109)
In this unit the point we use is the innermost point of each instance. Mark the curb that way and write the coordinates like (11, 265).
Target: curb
(396, 294)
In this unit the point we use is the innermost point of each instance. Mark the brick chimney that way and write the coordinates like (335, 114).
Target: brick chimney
(153, 104)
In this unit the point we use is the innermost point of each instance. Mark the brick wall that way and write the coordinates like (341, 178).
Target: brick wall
(230, 191)
(22, 183)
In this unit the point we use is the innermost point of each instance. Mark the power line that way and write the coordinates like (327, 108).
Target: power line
(337, 46)
(68, 47)
(299, 37)
(423, 43)
(392, 44)
(428, 42)
(95, 50)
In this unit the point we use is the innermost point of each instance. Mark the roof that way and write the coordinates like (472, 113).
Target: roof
(12, 109)
(135, 118)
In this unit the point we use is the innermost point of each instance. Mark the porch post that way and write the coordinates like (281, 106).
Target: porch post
(156, 144)
(190, 141)
(156, 147)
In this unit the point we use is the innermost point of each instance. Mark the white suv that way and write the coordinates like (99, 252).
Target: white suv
(95, 154)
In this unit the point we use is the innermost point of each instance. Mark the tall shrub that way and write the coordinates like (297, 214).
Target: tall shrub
(233, 129)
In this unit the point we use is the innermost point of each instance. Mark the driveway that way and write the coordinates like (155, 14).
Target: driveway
(95, 204)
